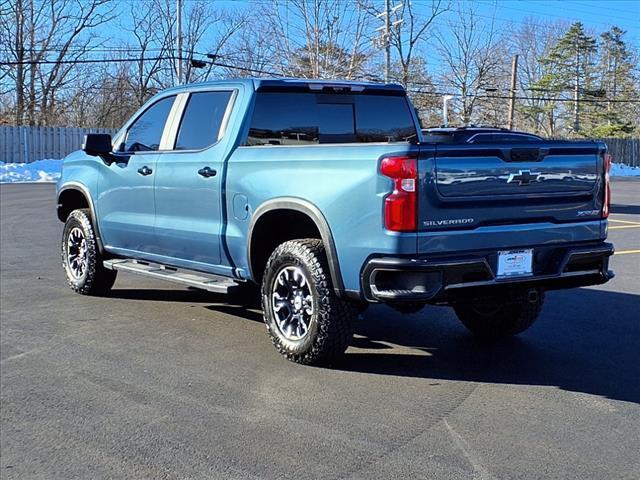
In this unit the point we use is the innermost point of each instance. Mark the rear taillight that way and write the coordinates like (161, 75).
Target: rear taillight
(401, 205)
(606, 204)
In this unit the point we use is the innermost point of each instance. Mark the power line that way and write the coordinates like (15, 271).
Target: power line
(520, 97)
(93, 60)
(278, 74)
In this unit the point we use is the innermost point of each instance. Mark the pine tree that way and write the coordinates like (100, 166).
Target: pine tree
(571, 67)
(615, 118)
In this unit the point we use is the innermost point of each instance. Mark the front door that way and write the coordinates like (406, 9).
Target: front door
(126, 187)
(188, 184)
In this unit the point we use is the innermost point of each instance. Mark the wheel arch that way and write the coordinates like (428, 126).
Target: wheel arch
(72, 196)
(303, 208)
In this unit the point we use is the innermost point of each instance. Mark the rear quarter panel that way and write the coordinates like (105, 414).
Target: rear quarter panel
(342, 181)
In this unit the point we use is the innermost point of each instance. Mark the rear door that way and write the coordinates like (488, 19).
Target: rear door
(468, 186)
(189, 180)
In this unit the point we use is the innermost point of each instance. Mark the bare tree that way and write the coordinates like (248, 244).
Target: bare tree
(318, 38)
(253, 51)
(467, 50)
(150, 50)
(206, 30)
(410, 27)
(532, 41)
(50, 38)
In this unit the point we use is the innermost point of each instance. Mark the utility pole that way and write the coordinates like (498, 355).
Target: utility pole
(512, 92)
(179, 41)
(576, 93)
(387, 37)
(384, 40)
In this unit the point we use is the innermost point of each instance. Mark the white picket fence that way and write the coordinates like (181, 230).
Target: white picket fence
(24, 144)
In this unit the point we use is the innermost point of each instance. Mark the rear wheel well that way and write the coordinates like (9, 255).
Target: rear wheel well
(70, 200)
(274, 228)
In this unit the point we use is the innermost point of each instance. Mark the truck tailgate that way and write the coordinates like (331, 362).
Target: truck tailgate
(468, 186)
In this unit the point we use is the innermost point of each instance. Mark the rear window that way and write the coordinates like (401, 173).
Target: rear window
(292, 118)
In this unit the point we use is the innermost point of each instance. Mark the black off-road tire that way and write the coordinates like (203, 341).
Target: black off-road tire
(493, 317)
(96, 280)
(331, 326)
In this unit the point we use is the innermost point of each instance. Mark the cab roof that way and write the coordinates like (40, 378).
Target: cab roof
(266, 84)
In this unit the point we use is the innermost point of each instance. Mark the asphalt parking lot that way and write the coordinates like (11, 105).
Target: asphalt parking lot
(158, 381)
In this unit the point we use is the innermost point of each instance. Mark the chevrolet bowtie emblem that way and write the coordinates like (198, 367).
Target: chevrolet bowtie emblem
(523, 177)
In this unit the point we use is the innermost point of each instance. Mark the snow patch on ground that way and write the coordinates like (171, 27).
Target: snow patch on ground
(41, 171)
(621, 170)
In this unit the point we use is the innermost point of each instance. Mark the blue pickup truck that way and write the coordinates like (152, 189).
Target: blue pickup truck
(330, 197)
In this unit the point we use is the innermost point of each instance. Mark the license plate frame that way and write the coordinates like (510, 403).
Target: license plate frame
(515, 263)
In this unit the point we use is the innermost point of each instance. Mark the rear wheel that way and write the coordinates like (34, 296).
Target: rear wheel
(81, 257)
(307, 322)
(494, 317)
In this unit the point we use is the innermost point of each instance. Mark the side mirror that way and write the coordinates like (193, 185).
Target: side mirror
(98, 145)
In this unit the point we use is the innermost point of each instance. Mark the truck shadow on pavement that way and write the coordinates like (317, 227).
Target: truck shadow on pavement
(585, 340)
(626, 209)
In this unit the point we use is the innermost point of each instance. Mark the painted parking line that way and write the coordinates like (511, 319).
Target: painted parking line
(618, 227)
(623, 221)
(625, 252)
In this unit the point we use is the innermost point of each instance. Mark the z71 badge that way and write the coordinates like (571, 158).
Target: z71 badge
(588, 213)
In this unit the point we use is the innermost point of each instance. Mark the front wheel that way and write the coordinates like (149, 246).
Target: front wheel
(81, 257)
(307, 322)
(494, 317)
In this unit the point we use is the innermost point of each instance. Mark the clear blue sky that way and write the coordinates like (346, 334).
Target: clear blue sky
(597, 14)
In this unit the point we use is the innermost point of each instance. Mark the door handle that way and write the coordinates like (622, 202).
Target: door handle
(207, 172)
(145, 171)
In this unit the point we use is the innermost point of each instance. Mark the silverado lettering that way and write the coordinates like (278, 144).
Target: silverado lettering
(454, 221)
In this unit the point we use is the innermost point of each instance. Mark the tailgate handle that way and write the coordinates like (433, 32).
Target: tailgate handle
(526, 154)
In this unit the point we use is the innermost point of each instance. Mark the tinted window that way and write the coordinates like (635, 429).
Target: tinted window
(146, 131)
(202, 119)
(438, 137)
(310, 118)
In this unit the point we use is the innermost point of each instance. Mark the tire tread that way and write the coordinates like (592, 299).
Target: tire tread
(98, 280)
(335, 316)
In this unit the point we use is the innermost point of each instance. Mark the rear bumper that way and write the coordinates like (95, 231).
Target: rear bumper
(442, 278)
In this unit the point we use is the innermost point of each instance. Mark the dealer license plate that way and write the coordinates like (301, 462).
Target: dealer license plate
(515, 263)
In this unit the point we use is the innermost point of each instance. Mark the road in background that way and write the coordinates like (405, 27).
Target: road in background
(162, 382)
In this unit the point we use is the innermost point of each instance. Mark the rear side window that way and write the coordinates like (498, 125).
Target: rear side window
(202, 119)
(146, 131)
(292, 118)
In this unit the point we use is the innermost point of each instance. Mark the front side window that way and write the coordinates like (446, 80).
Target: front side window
(202, 120)
(295, 118)
(146, 131)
